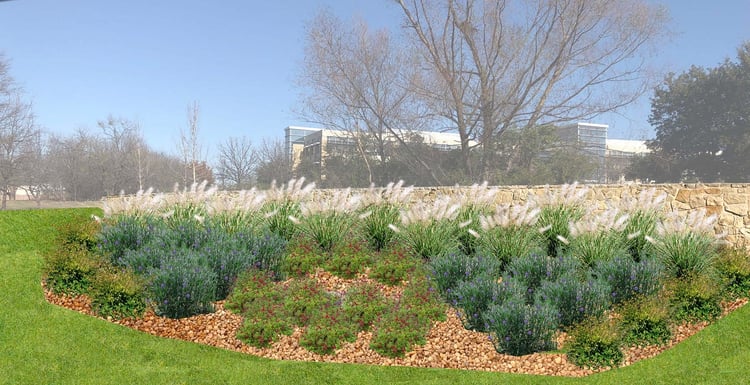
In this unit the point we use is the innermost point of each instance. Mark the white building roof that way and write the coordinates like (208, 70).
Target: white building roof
(626, 145)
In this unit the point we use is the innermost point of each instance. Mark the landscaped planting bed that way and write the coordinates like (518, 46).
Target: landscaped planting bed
(546, 287)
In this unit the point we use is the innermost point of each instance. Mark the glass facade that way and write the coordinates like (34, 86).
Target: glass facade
(592, 140)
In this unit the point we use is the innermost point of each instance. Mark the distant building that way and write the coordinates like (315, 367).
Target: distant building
(620, 153)
(591, 139)
(313, 145)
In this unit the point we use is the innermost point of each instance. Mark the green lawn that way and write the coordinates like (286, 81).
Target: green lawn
(44, 344)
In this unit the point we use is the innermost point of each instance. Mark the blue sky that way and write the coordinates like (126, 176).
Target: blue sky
(82, 60)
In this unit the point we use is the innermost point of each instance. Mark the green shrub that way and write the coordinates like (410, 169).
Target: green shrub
(253, 290)
(574, 299)
(508, 243)
(448, 270)
(328, 329)
(517, 328)
(364, 303)
(695, 298)
(686, 254)
(348, 260)
(595, 343)
(265, 327)
(118, 294)
(393, 266)
(302, 258)
(645, 320)
(70, 270)
(303, 298)
(733, 264)
(422, 298)
(375, 225)
(396, 332)
(628, 278)
(78, 234)
(467, 219)
(184, 285)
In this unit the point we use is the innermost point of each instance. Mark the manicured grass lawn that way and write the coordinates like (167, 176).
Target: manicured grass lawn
(43, 344)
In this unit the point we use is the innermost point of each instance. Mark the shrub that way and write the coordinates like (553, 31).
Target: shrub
(686, 254)
(733, 264)
(396, 332)
(348, 260)
(269, 250)
(228, 258)
(448, 270)
(517, 328)
(592, 248)
(393, 266)
(265, 327)
(422, 298)
(78, 234)
(302, 258)
(303, 298)
(531, 270)
(595, 343)
(364, 303)
(628, 278)
(253, 290)
(645, 320)
(375, 225)
(184, 285)
(474, 297)
(118, 294)
(695, 298)
(127, 233)
(467, 219)
(327, 330)
(574, 299)
(556, 218)
(508, 243)
(70, 270)
(184, 232)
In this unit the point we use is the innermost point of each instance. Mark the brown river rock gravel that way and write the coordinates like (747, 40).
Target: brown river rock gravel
(448, 345)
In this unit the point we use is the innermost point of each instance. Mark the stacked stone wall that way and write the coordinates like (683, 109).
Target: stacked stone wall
(729, 202)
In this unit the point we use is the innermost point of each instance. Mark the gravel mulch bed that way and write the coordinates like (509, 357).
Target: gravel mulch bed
(448, 345)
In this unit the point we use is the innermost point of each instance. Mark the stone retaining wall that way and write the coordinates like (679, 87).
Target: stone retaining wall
(729, 202)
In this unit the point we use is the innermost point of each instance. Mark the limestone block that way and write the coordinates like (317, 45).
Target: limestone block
(738, 209)
(683, 195)
(714, 210)
(735, 198)
(697, 201)
(714, 201)
(712, 190)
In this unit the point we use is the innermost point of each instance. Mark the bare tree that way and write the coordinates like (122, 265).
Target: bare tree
(17, 133)
(237, 162)
(494, 65)
(358, 83)
(189, 146)
(273, 163)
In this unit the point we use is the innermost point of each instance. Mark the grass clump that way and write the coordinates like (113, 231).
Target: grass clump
(375, 225)
(733, 265)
